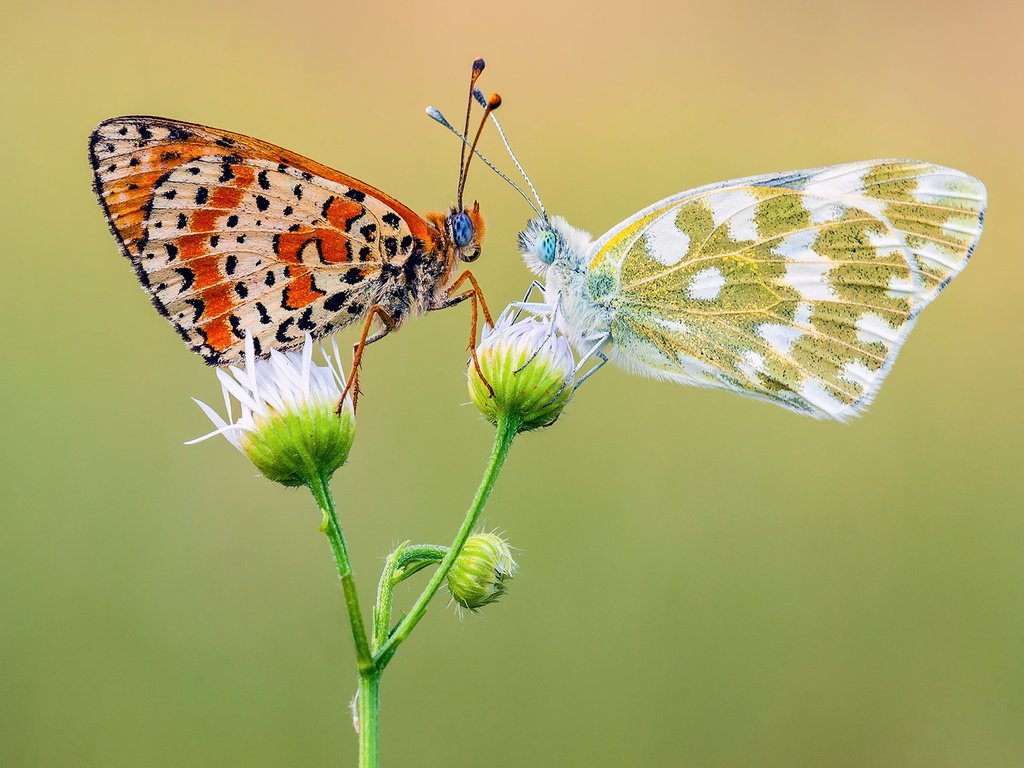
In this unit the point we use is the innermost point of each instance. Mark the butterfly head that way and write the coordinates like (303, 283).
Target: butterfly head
(466, 231)
(547, 241)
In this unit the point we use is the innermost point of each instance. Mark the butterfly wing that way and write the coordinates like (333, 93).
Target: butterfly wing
(228, 233)
(797, 288)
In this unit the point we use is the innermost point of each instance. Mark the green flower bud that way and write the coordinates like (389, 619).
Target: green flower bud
(479, 573)
(529, 369)
(290, 424)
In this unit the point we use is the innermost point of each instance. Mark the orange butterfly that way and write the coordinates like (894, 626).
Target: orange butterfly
(230, 234)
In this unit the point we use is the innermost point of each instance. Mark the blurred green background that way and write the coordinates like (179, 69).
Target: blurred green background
(706, 581)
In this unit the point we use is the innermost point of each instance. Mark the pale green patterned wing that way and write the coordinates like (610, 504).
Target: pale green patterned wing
(796, 288)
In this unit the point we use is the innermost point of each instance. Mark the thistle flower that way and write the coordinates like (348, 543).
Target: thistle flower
(290, 426)
(478, 575)
(528, 366)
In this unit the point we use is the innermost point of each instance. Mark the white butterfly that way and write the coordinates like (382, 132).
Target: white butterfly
(798, 288)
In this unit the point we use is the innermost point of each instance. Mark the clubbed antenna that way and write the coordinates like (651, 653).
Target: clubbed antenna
(435, 114)
(478, 68)
(492, 103)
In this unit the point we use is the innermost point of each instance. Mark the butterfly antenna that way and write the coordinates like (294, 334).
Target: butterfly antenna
(478, 68)
(480, 98)
(435, 114)
(492, 103)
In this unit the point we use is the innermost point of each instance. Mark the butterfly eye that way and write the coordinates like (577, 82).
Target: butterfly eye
(546, 247)
(462, 229)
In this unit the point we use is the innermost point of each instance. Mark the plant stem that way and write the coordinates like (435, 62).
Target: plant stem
(321, 490)
(506, 430)
(369, 722)
(401, 564)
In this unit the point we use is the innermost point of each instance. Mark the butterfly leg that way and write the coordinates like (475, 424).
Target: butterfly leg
(526, 303)
(476, 296)
(600, 356)
(594, 351)
(365, 339)
(551, 332)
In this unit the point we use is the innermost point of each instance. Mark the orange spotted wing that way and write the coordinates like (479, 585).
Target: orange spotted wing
(228, 233)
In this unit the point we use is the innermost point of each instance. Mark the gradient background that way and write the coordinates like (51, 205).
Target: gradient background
(706, 581)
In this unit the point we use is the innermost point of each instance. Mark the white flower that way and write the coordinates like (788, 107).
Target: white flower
(529, 367)
(290, 425)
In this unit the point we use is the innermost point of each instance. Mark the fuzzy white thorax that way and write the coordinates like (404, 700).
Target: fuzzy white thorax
(579, 318)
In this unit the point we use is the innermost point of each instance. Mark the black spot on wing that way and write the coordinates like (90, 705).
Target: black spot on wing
(336, 302)
(187, 278)
(282, 331)
(198, 305)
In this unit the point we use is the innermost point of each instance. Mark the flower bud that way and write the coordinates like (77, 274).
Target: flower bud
(478, 575)
(529, 368)
(290, 425)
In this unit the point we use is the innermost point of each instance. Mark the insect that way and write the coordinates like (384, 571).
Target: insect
(797, 288)
(230, 234)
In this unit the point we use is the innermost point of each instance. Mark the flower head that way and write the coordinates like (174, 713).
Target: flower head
(478, 575)
(291, 426)
(529, 368)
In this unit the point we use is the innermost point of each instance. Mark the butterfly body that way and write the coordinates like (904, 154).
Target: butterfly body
(229, 234)
(796, 288)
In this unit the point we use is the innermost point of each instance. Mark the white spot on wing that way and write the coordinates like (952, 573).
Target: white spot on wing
(751, 364)
(737, 207)
(859, 374)
(884, 243)
(952, 186)
(780, 337)
(665, 242)
(901, 286)
(967, 227)
(826, 211)
(819, 396)
(872, 327)
(802, 316)
(798, 246)
(845, 183)
(809, 280)
(933, 254)
(706, 284)
(836, 182)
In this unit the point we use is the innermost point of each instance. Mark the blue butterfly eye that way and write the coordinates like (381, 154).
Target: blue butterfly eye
(462, 229)
(546, 247)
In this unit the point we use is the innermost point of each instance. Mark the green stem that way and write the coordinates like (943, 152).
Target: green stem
(506, 430)
(401, 564)
(369, 722)
(321, 490)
